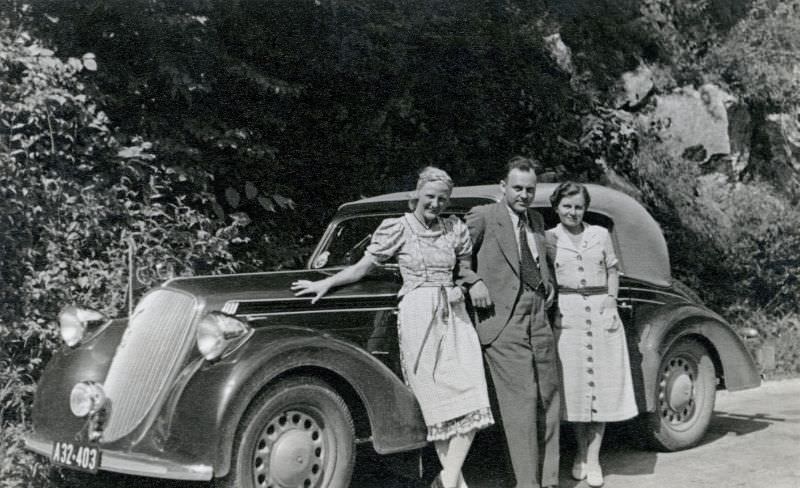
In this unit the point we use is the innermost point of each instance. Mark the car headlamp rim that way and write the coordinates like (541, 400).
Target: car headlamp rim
(218, 334)
(87, 398)
(74, 323)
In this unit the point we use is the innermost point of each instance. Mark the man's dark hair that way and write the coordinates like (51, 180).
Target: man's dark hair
(523, 164)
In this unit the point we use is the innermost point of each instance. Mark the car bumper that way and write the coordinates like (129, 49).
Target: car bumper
(134, 464)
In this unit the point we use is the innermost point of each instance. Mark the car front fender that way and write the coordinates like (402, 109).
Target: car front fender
(218, 394)
(734, 364)
(88, 361)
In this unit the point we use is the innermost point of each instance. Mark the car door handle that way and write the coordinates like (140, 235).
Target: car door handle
(625, 305)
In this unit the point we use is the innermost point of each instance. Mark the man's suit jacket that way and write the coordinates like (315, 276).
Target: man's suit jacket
(495, 260)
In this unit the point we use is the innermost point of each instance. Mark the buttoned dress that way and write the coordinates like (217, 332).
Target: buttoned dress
(439, 348)
(593, 353)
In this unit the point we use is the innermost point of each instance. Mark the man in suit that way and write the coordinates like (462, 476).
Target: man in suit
(510, 291)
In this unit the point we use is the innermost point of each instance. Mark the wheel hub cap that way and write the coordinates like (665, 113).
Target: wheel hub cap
(676, 390)
(680, 392)
(289, 452)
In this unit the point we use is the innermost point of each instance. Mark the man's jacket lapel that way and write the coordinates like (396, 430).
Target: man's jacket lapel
(504, 233)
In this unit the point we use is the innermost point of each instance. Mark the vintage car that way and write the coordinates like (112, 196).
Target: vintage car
(234, 379)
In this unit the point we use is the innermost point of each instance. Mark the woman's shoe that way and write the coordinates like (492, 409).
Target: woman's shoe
(578, 470)
(594, 476)
(437, 482)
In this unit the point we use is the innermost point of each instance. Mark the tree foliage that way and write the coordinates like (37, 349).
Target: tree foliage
(72, 193)
(760, 57)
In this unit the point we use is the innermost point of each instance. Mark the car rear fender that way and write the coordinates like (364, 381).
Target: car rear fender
(734, 365)
(217, 396)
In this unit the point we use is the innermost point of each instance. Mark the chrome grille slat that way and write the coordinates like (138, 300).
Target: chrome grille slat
(147, 358)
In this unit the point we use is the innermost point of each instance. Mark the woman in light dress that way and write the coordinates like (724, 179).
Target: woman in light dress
(596, 376)
(440, 351)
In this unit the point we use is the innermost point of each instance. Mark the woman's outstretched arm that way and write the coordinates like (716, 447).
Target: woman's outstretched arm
(350, 274)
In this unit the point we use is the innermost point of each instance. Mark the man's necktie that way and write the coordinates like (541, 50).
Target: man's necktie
(528, 270)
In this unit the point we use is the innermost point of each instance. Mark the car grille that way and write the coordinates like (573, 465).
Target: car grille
(151, 350)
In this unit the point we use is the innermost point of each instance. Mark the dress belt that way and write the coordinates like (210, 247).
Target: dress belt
(585, 291)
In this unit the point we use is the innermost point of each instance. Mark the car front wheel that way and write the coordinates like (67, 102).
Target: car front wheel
(685, 394)
(297, 433)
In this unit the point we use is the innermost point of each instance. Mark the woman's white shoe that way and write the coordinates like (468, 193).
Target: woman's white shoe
(578, 470)
(594, 476)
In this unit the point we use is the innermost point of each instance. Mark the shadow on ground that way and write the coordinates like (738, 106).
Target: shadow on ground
(487, 464)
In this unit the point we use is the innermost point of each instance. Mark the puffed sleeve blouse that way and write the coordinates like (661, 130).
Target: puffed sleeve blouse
(424, 256)
(387, 240)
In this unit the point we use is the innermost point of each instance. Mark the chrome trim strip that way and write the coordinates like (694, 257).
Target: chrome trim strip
(652, 290)
(300, 299)
(268, 314)
(228, 275)
(645, 301)
(136, 464)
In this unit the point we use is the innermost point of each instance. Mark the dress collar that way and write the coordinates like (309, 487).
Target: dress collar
(589, 238)
(417, 228)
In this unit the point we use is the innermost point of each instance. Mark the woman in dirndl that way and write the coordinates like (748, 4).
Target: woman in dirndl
(592, 350)
(439, 348)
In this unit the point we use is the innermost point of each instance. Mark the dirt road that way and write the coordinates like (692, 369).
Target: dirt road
(753, 442)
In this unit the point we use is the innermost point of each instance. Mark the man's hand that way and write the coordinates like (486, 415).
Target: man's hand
(480, 295)
(551, 295)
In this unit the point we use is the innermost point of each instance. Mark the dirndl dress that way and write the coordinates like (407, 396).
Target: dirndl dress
(439, 349)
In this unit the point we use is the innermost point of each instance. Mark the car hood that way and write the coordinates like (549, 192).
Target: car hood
(275, 286)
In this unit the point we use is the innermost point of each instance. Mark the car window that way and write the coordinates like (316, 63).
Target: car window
(349, 239)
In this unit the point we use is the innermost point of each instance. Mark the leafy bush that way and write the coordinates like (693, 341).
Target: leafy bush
(761, 238)
(778, 333)
(18, 467)
(72, 198)
(731, 241)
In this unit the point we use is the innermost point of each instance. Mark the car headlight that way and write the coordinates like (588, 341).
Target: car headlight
(218, 333)
(87, 397)
(73, 321)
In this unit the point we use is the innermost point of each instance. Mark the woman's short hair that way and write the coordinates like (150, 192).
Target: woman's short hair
(568, 189)
(429, 174)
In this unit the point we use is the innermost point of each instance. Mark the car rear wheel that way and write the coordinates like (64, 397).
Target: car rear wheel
(297, 433)
(685, 394)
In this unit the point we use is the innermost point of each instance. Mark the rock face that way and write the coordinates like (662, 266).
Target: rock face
(560, 52)
(692, 124)
(782, 131)
(635, 86)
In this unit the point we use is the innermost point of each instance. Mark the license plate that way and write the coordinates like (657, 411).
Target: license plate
(76, 455)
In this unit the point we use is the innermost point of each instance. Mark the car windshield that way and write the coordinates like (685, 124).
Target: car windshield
(349, 239)
(347, 243)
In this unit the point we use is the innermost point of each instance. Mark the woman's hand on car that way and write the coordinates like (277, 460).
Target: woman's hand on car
(316, 288)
